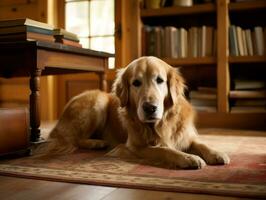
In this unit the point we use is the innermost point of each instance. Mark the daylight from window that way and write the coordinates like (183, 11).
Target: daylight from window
(93, 22)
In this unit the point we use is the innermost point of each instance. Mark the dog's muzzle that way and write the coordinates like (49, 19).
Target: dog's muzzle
(149, 110)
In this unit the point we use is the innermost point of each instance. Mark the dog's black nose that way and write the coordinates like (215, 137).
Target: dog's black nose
(149, 108)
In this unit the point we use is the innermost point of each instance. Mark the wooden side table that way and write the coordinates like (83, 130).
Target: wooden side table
(35, 58)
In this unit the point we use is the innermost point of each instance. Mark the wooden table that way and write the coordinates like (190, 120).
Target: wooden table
(34, 58)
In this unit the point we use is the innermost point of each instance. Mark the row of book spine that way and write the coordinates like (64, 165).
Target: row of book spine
(247, 42)
(204, 99)
(172, 42)
(248, 95)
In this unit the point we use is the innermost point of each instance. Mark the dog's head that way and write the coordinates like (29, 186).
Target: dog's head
(148, 86)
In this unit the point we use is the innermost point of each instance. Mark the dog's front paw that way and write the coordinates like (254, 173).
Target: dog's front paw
(217, 158)
(190, 162)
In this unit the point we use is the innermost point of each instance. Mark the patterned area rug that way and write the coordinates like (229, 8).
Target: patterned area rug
(245, 176)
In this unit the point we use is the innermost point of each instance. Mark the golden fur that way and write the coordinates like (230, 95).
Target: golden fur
(95, 119)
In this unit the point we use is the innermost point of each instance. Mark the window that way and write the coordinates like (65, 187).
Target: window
(93, 21)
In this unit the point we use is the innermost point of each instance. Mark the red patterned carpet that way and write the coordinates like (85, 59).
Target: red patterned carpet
(245, 176)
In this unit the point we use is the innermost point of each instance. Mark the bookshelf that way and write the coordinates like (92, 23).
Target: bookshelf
(216, 15)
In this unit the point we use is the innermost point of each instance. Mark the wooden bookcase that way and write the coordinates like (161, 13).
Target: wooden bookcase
(218, 15)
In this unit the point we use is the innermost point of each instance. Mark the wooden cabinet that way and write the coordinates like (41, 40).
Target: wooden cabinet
(217, 70)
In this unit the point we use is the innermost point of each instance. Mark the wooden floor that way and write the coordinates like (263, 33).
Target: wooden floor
(28, 189)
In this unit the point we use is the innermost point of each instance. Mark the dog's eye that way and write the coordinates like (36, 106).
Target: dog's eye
(136, 83)
(159, 80)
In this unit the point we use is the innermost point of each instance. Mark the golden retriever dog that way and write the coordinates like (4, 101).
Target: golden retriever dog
(147, 111)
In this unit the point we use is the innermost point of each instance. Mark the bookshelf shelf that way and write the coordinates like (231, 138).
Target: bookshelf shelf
(240, 120)
(247, 59)
(179, 10)
(249, 5)
(190, 61)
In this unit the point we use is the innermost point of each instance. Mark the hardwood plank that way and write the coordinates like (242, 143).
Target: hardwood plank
(129, 194)
(179, 10)
(25, 189)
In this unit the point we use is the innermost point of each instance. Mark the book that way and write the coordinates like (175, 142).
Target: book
(209, 90)
(25, 22)
(143, 40)
(158, 42)
(248, 84)
(162, 39)
(232, 46)
(209, 42)
(235, 41)
(178, 42)
(206, 108)
(200, 43)
(259, 40)
(167, 34)
(247, 94)
(202, 95)
(190, 42)
(150, 35)
(183, 43)
(254, 43)
(195, 42)
(244, 43)
(249, 42)
(203, 102)
(173, 43)
(183, 3)
(240, 41)
(26, 36)
(22, 29)
(250, 102)
(60, 33)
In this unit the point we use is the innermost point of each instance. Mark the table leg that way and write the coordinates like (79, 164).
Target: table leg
(35, 105)
(103, 81)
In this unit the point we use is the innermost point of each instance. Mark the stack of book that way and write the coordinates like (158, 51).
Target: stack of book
(28, 29)
(247, 42)
(65, 37)
(25, 29)
(248, 96)
(204, 99)
(172, 42)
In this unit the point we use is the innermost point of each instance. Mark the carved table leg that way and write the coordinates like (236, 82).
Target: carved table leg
(35, 105)
(103, 81)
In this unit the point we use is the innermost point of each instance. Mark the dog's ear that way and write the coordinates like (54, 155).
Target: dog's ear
(176, 84)
(120, 86)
